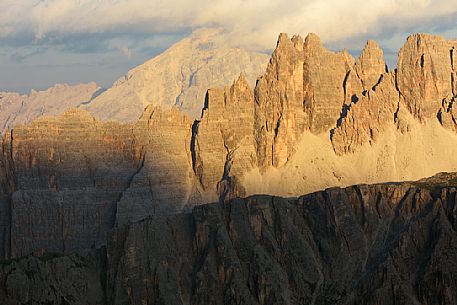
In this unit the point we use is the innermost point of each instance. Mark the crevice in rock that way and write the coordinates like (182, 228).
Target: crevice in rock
(453, 83)
(396, 113)
(451, 51)
(343, 114)
(278, 125)
(129, 184)
(378, 82)
(226, 183)
(196, 162)
(346, 77)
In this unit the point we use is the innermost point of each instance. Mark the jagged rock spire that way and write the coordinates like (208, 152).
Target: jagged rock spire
(370, 65)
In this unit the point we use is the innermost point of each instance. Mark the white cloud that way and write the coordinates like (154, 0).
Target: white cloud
(255, 23)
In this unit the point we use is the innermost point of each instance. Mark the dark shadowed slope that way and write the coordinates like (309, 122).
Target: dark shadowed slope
(392, 243)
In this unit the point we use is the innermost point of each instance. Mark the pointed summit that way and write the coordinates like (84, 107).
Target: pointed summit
(283, 37)
(370, 65)
(241, 81)
(424, 73)
(297, 40)
(313, 40)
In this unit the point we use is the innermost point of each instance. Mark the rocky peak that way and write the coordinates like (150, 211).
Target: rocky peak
(324, 92)
(285, 57)
(425, 74)
(223, 141)
(279, 114)
(313, 41)
(273, 139)
(370, 65)
(297, 40)
(240, 86)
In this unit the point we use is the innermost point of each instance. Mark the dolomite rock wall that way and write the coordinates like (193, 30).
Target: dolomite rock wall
(392, 243)
(69, 171)
(315, 119)
(164, 181)
(224, 146)
(68, 180)
(366, 244)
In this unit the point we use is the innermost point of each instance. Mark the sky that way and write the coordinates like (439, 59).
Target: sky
(43, 42)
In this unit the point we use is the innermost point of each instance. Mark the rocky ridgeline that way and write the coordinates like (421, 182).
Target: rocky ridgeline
(18, 109)
(392, 243)
(68, 180)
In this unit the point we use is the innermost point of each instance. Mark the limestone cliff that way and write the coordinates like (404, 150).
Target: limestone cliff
(223, 145)
(68, 173)
(315, 119)
(426, 74)
(163, 182)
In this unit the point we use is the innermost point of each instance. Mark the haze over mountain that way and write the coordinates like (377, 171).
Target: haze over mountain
(22, 109)
(54, 41)
(178, 77)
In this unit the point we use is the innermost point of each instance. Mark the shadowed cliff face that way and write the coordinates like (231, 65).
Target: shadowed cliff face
(68, 180)
(392, 243)
(53, 279)
(366, 244)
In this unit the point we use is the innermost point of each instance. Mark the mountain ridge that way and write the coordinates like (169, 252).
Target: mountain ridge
(286, 136)
(18, 108)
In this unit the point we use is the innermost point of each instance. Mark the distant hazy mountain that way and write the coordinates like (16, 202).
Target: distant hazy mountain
(179, 76)
(20, 109)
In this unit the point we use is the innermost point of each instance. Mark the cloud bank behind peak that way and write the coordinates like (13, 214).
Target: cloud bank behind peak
(71, 40)
(252, 23)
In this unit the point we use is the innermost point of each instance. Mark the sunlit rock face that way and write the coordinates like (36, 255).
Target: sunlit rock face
(223, 145)
(315, 119)
(179, 77)
(426, 74)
